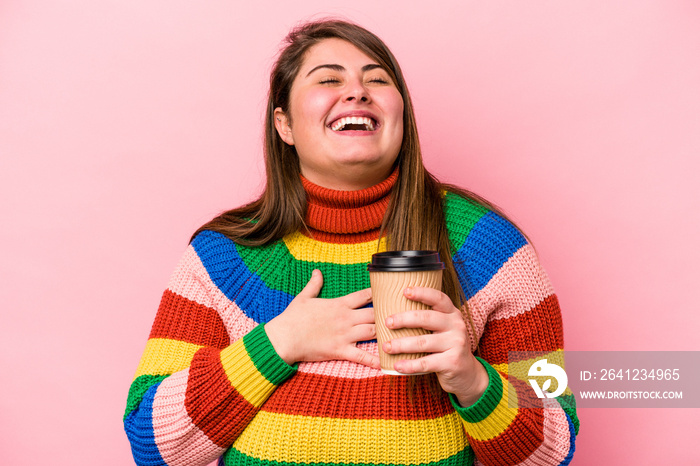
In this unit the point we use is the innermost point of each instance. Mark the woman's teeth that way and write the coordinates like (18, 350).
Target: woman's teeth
(355, 123)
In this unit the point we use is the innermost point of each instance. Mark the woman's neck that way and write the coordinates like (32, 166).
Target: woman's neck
(349, 178)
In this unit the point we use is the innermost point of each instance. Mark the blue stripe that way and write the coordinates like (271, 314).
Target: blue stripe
(489, 245)
(139, 429)
(230, 274)
(572, 443)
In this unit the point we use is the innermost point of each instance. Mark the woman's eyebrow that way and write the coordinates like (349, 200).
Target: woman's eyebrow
(340, 68)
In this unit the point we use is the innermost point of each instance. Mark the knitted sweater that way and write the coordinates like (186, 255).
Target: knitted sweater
(211, 385)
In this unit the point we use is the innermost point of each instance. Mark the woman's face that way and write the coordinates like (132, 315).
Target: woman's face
(345, 117)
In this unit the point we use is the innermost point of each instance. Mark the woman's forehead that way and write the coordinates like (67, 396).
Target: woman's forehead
(334, 51)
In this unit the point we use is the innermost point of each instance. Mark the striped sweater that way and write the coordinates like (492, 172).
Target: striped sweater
(210, 384)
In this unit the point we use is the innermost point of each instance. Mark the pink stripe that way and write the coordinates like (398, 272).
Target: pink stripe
(555, 445)
(191, 280)
(179, 441)
(188, 280)
(504, 296)
(344, 369)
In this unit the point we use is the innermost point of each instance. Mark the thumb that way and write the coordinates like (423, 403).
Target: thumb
(313, 287)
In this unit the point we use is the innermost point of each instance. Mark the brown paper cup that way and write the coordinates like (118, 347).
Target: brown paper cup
(388, 299)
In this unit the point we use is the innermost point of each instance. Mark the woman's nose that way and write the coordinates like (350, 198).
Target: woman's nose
(356, 91)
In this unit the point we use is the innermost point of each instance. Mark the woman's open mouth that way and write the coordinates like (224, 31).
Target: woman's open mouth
(353, 123)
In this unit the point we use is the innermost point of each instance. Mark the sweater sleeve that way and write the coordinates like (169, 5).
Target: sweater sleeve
(514, 309)
(197, 387)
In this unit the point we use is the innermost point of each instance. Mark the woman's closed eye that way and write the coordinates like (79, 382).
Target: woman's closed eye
(337, 81)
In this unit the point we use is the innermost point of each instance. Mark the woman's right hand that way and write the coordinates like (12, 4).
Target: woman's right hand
(316, 329)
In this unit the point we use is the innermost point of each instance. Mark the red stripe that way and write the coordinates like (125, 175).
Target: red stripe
(400, 398)
(181, 319)
(539, 329)
(212, 403)
(522, 437)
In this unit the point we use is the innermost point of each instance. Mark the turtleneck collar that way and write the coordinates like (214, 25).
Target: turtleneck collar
(347, 212)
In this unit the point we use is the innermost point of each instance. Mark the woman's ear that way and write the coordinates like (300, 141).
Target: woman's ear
(283, 126)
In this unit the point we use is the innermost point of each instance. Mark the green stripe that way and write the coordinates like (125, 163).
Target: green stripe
(265, 358)
(234, 457)
(138, 388)
(460, 217)
(267, 261)
(488, 401)
(341, 279)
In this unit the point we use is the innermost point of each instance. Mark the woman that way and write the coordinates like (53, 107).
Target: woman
(263, 346)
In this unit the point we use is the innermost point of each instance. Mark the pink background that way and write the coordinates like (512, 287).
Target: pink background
(124, 125)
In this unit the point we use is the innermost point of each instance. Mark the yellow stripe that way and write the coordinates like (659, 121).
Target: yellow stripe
(163, 356)
(499, 420)
(501, 367)
(306, 439)
(306, 249)
(243, 375)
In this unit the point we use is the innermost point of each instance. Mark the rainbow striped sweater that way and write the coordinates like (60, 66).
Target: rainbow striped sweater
(210, 384)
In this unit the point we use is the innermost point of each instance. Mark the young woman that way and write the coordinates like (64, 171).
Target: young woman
(263, 349)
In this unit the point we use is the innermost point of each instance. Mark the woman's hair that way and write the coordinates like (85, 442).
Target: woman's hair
(414, 218)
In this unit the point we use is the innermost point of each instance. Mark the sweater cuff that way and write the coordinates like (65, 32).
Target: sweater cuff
(253, 366)
(488, 401)
(265, 358)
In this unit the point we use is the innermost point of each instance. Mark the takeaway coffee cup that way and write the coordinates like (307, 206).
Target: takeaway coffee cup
(390, 273)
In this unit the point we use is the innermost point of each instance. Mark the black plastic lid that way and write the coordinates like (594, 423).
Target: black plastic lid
(405, 261)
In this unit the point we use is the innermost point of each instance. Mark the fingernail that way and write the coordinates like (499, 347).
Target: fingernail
(387, 347)
(408, 292)
(390, 322)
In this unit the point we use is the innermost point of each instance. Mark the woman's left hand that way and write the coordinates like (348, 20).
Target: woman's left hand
(458, 371)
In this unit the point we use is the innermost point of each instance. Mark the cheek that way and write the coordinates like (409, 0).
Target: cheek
(393, 105)
(315, 105)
